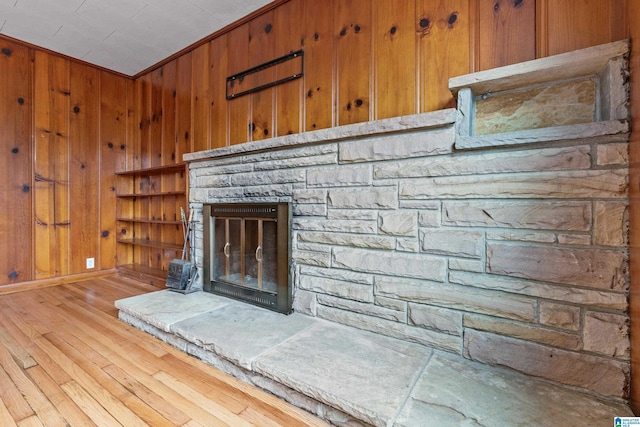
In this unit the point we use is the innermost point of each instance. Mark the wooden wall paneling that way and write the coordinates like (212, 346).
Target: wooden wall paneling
(288, 24)
(352, 29)
(394, 56)
(238, 108)
(169, 139)
(443, 31)
(183, 106)
(51, 165)
(15, 164)
(84, 174)
(633, 15)
(575, 24)
(156, 127)
(125, 253)
(200, 103)
(262, 49)
(169, 146)
(319, 66)
(219, 60)
(505, 32)
(113, 134)
(146, 112)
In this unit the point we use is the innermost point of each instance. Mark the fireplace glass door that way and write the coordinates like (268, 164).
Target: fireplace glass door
(245, 252)
(248, 251)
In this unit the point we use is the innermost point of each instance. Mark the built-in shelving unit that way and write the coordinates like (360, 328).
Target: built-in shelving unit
(148, 217)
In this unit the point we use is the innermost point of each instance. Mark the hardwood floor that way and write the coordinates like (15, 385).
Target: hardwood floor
(65, 359)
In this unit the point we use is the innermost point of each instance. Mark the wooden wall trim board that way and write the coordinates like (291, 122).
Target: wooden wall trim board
(56, 281)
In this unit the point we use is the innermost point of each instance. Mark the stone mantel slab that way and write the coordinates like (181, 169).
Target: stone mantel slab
(401, 124)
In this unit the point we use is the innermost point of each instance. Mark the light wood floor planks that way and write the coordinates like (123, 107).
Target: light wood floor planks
(65, 359)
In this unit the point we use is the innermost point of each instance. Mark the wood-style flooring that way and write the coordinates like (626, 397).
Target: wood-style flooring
(65, 359)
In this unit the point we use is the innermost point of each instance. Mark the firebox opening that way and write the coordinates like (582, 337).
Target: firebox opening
(247, 251)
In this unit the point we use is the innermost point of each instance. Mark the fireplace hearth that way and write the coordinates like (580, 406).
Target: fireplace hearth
(247, 253)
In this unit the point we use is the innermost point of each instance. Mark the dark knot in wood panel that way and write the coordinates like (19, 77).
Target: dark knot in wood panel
(21, 101)
(104, 233)
(348, 106)
(343, 32)
(452, 19)
(316, 36)
(6, 51)
(359, 102)
(13, 275)
(496, 7)
(252, 127)
(265, 132)
(123, 231)
(186, 135)
(310, 93)
(518, 3)
(76, 109)
(425, 23)
(357, 28)
(15, 150)
(268, 28)
(26, 188)
(122, 146)
(82, 166)
(393, 30)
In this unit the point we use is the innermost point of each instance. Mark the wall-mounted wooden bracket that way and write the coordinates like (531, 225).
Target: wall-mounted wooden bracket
(283, 69)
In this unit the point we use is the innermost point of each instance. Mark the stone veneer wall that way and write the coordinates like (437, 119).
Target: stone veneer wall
(512, 255)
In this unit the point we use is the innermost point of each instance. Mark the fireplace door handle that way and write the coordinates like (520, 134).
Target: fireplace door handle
(259, 253)
(225, 250)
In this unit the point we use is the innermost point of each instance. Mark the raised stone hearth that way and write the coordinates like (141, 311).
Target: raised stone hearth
(480, 248)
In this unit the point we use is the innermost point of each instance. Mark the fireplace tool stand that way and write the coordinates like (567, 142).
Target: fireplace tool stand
(182, 272)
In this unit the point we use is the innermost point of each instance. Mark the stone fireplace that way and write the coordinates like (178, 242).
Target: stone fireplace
(496, 231)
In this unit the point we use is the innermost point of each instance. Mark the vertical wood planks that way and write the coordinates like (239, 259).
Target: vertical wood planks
(239, 116)
(113, 134)
(51, 166)
(219, 59)
(261, 50)
(15, 163)
(200, 98)
(442, 29)
(84, 188)
(394, 58)
(287, 24)
(183, 106)
(506, 32)
(353, 49)
(575, 24)
(319, 67)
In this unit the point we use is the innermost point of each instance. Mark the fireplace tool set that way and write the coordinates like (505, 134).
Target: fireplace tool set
(182, 272)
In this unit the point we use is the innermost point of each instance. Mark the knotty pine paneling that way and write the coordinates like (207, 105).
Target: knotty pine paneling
(353, 34)
(575, 24)
(288, 22)
(219, 60)
(200, 98)
(394, 56)
(443, 31)
(319, 67)
(505, 32)
(183, 106)
(51, 163)
(113, 139)
(16, 103)
(84, 167)
(239, 108)
(261, 50)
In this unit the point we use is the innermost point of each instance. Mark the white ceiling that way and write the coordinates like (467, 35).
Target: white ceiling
(127, 36)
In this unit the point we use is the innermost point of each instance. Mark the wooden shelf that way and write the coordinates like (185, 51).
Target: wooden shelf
(149, 221)
(152, 244)
(178, 167)
(162, 194)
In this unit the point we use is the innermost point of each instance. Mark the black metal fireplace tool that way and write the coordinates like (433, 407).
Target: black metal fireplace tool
(182, 272)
